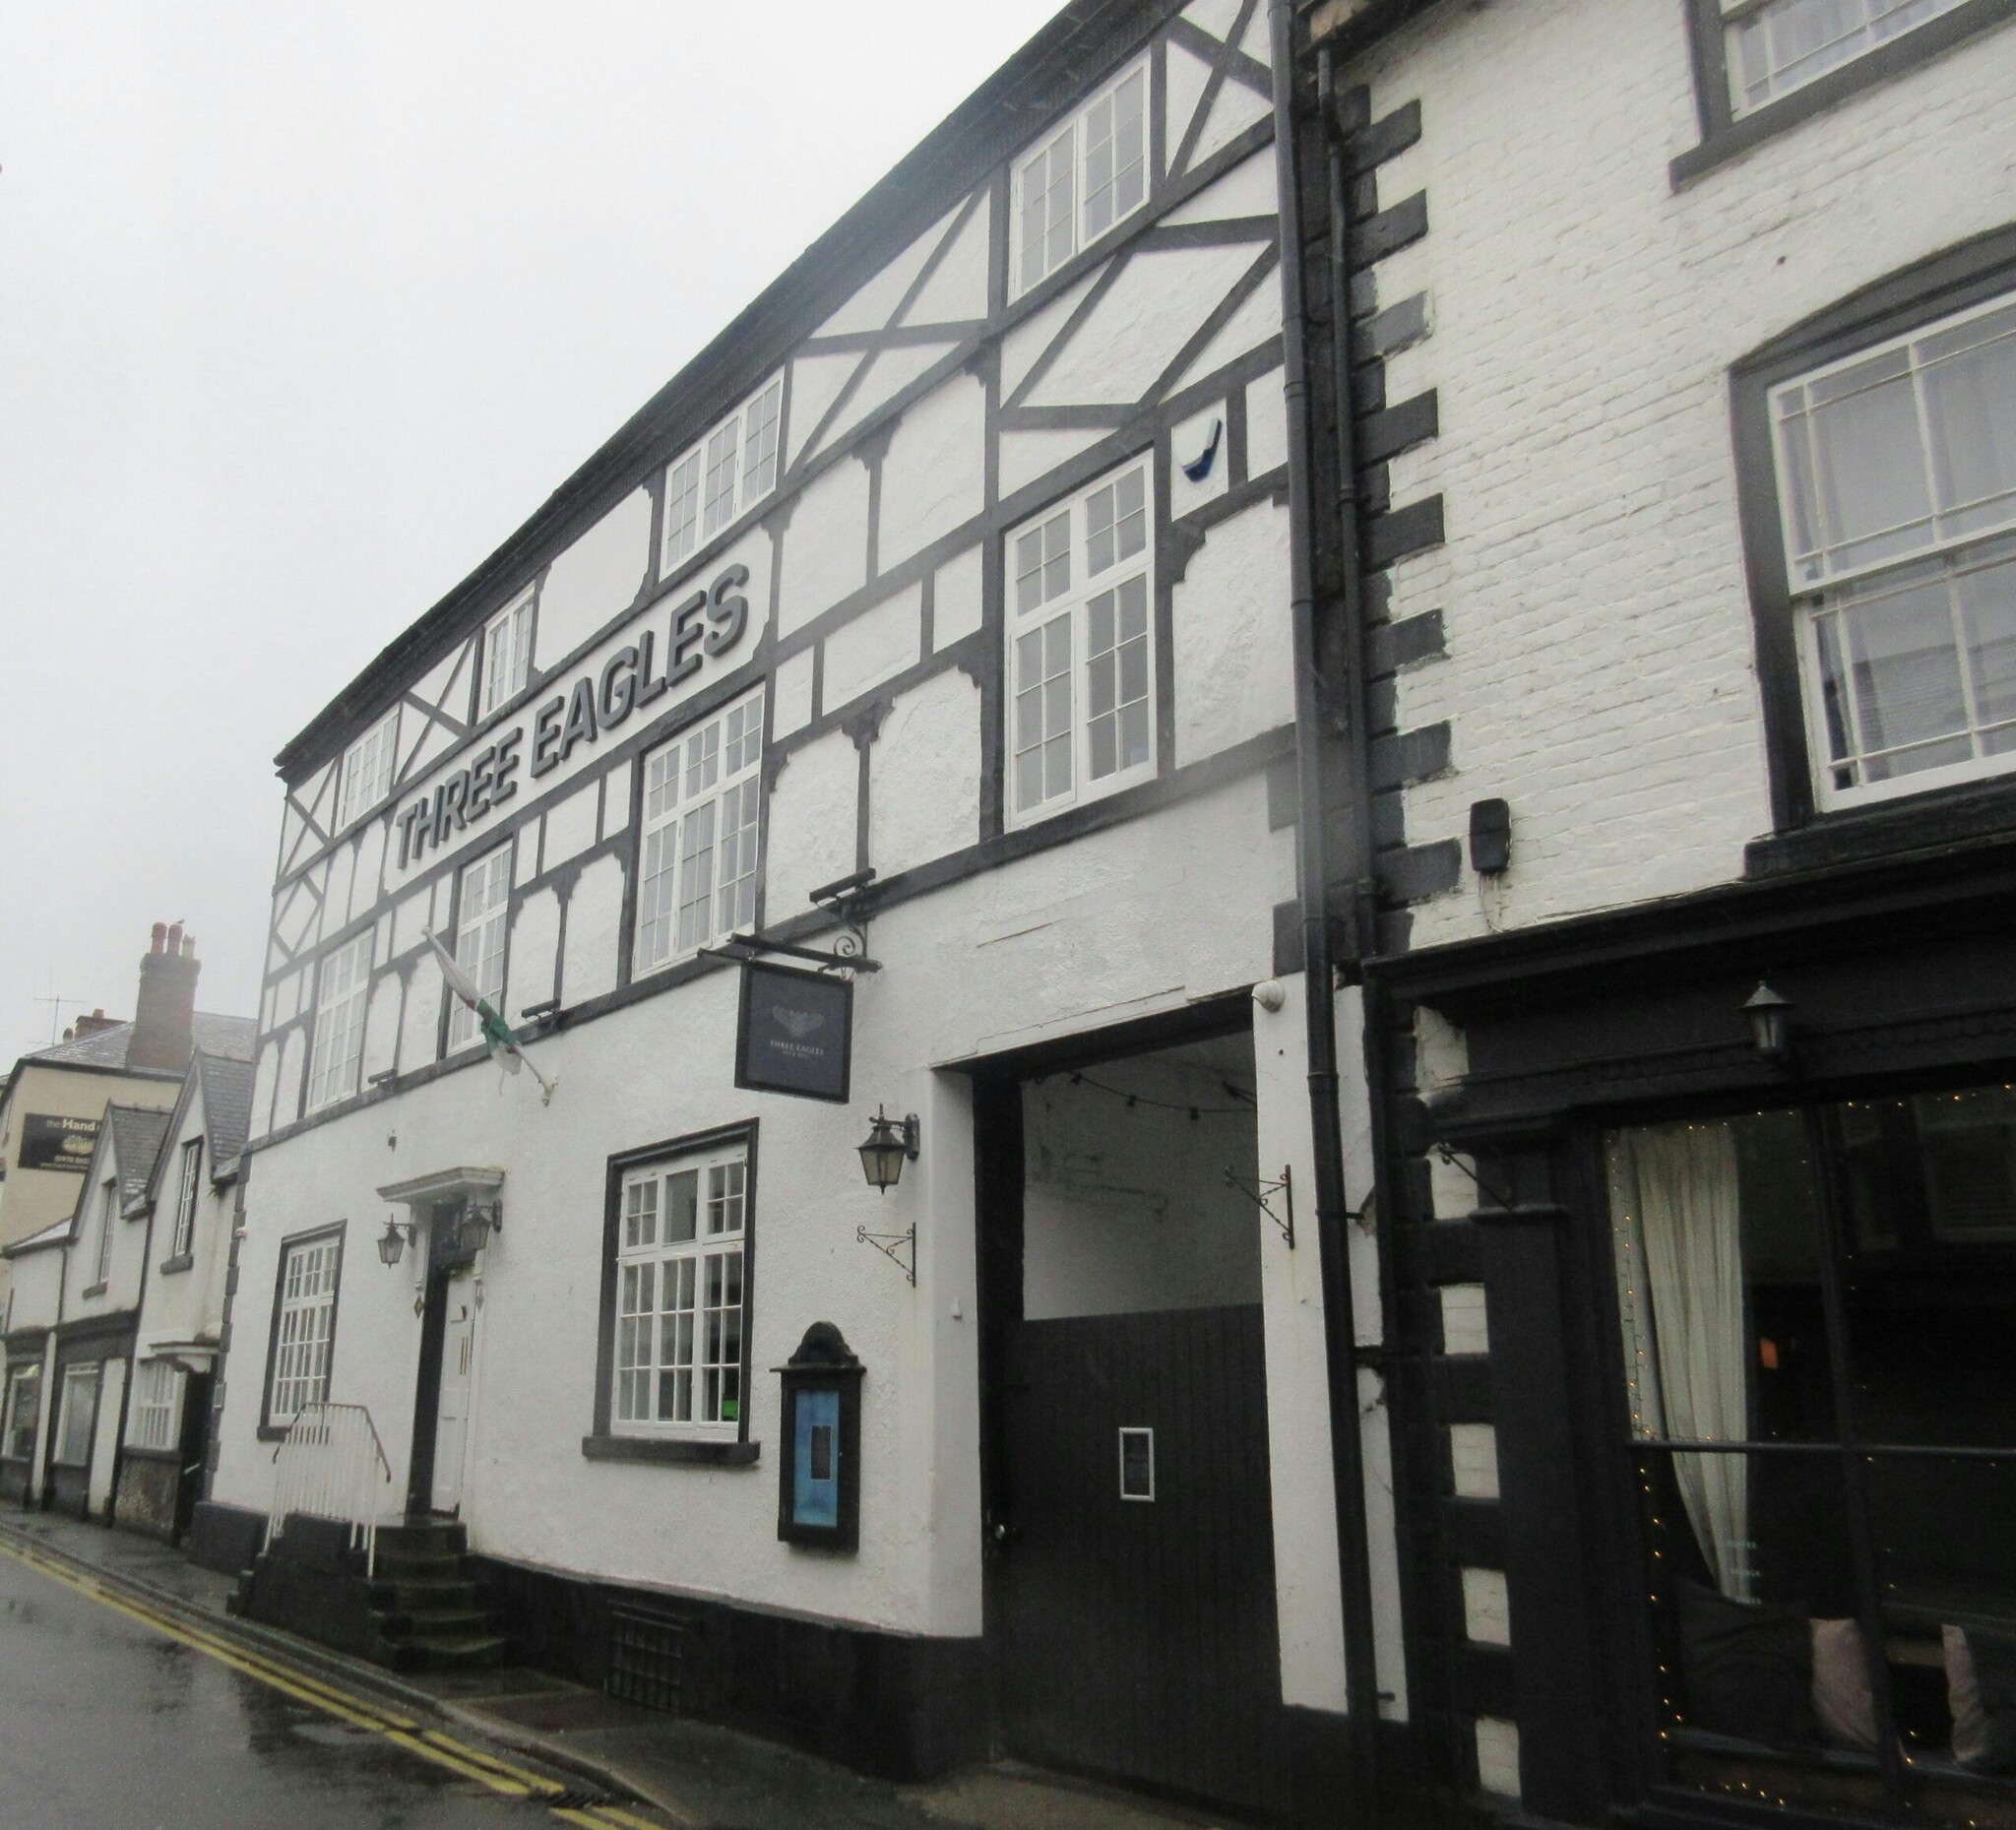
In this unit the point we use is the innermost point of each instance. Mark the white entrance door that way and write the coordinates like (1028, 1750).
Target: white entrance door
(451, 1427)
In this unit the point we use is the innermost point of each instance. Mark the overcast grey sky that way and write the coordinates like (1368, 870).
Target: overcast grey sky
(302, 309)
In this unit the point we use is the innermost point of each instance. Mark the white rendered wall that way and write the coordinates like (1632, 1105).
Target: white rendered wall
(967, 970)
(1600, 668)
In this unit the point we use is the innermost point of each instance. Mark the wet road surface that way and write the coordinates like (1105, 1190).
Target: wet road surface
(111, 1720)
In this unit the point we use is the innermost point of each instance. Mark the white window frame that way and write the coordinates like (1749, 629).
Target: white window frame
(1752, 25)
(701, 835)
(75, 1380)
(157, 1421)
(1826, 583)
(188, 1191)
(719, 478)
(343, 996)
(364, 777)
(507, 654)
(22, 1379)
(108, 1218)
(1124, 576)
(1083, 139)
(482, 937)
(679, 1368)
(303, 1325)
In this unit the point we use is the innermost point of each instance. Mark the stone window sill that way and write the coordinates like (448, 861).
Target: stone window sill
(169, 1266)
(697, 1452)
(94, 1290)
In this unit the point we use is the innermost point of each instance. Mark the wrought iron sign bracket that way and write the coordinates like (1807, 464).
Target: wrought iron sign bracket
(842, 900)
(1262, 1195)
(1483, 1187)
(892, 1245)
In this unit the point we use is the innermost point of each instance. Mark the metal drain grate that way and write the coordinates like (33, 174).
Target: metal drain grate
(646, 1659)
(574, 1800)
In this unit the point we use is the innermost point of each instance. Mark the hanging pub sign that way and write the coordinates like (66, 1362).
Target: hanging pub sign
(52, 1143)
(794, 1033)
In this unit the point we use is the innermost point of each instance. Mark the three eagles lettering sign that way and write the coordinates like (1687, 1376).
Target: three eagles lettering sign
(795, 1033)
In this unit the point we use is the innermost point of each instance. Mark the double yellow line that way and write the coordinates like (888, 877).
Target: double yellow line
(443, 1750)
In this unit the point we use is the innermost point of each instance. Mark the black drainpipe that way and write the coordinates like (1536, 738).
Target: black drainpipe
(1318, 975)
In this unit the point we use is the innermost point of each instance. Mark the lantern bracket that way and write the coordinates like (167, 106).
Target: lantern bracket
(892, 1245)
(1263, 1194)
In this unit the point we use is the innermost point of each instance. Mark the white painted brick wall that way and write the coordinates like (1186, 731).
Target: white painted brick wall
(1601, 673)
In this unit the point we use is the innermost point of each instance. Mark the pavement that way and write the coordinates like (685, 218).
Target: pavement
(696, 1776)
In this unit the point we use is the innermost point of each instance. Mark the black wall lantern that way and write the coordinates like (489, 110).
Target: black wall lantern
(1770, 1018)
(392, 1242)
(889, 1142)
(819, 1485)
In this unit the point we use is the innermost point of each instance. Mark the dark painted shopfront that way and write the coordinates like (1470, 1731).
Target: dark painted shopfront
(1752, 1299)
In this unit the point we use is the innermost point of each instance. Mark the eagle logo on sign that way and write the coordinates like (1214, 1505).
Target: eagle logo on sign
(797, 1024)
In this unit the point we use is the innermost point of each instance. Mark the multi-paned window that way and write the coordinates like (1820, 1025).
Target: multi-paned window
(1896, 486)
(24, 1414)
(507, 654)
(108, 1221)
(1817, 1307)
(367, 767)
(483, 910)
(156, 1405)
(1081, 178)
(702, 796)
(730, 471)
(79, 1415)
(343, 991)
(304, 1323)
(188, 1191)
(1080, 647)
(682, 1228)
(1776, 47)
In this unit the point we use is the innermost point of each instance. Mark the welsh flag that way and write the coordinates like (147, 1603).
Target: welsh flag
(497, 1035)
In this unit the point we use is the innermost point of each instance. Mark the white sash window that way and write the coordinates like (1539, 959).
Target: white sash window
(680, 1316)
(1897, 483)
(507, 656)
(721, 478)
(482, 913)
(1081, 648)
(188, 1190)
(1776, 47)
(1081, 178)
(343, 991)
(367, 765)
(702, 796)
(156, 1405)
(304, 1327)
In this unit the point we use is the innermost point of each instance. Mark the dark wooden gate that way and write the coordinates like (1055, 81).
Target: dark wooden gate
(1136, 1638)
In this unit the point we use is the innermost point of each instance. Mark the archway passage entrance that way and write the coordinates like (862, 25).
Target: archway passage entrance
(1131, 1595)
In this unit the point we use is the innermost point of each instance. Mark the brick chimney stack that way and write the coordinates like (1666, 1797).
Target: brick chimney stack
(164, 1018)
(91, 1024)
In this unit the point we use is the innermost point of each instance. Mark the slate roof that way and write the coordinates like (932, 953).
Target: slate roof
(137, 1133)
(231, 1038)
(55, 1233)
(226, 1109)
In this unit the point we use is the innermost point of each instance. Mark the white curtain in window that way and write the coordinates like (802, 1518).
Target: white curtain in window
(1679, 1241)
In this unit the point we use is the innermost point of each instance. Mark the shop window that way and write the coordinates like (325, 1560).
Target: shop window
(1081, 178)
(702, 796)
(1080, 705)
(304, 1326)
(79, 1415)
(678, 1320)
(156, 1405)
(24, 1414)
(1817, 1312)
(483, 912)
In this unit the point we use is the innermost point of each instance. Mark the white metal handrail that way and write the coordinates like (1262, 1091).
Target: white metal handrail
(329, 1465)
